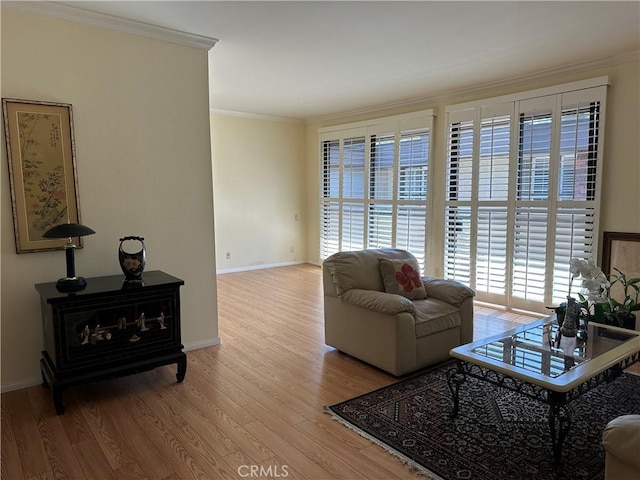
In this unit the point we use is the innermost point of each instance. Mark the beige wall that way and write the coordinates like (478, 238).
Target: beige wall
(259, 184)
(144, 168)
(621, 174)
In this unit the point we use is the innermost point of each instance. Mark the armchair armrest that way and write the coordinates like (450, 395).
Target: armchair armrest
(448, 291)
(621, 438)
(383, 302)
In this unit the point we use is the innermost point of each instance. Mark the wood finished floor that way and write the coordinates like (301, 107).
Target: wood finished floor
(254, 400)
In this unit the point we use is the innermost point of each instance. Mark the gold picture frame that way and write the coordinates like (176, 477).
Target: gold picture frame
(42, 171)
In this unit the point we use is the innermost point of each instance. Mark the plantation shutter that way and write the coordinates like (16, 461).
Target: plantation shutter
(353, 168)
(413, 173)
(492, 199)
(458, 213)
(578, 184)
(375, 182)
(381, 190)
(329, 204)
(522, 198)
(532, 205)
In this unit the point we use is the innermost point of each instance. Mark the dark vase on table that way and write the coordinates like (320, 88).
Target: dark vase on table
(132, 264)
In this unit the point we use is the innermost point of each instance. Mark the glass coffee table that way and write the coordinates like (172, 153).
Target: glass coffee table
(537, 362)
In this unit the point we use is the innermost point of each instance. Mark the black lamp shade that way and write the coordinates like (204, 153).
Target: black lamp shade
(66, 230)
(70, 283)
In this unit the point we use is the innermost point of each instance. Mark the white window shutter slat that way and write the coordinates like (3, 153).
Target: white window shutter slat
(411, 231)
(352, 219)
(329, 228)
(457, 245)
(380, 233)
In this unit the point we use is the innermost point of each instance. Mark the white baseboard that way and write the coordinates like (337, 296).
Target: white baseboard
(26, 383)
(259, 267)
(210, 342)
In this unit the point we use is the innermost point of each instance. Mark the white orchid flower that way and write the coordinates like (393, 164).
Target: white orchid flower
(575, 266)
(589, 270)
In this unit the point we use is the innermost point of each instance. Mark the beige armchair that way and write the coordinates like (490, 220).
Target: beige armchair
(378, 309)
(621, 441)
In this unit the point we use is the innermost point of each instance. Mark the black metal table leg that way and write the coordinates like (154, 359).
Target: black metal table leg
(454, 380)
(559, 421)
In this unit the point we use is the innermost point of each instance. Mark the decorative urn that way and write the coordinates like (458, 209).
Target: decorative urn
(132, 264)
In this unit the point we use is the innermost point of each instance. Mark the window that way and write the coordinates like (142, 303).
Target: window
(375, 179)
(523, 174)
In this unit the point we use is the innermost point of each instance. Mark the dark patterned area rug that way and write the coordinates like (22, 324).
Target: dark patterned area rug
(497, 434)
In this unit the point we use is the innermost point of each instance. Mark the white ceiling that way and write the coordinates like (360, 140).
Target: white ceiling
(305, 59)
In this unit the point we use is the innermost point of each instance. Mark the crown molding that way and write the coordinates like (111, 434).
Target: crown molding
(257, 116)
(88, 17)
(450, 95)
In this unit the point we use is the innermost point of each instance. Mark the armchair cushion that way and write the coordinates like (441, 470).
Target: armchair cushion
(402, 277)
(359, 269)
(447, 290)
(379, 301)
(433, 316)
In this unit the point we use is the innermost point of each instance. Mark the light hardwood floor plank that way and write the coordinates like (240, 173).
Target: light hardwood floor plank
(212, 429)
(289, 453)
(6, 424)
(33, 457)
(203, 455)
(379, 456)
(310, 448)
(92, 460)
(113, 446)
(62, 458)
(162, 439)
(133, 471)
(346, 448)
(148, 458)
(10, 464)
(74, 423)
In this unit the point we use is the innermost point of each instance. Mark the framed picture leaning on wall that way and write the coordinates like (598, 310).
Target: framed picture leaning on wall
(42, 171)
(621, 250)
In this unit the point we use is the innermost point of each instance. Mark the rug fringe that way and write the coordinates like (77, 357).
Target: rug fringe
(412, 465)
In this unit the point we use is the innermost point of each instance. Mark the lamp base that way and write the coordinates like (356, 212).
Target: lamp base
(68, 285)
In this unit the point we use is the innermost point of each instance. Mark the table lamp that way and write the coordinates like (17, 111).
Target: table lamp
(70, 283)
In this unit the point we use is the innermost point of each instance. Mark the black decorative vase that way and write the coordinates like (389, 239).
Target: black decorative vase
(571, 320)
(132, 264)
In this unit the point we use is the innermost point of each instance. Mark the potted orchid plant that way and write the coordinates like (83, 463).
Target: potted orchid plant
(596, 303)
(595, 286)
(621, 312)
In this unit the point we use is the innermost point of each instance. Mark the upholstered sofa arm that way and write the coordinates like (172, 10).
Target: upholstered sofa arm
(621, 438)
(448, 291)
(383, 302)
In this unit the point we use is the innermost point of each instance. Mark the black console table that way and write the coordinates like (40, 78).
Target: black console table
(111, 328)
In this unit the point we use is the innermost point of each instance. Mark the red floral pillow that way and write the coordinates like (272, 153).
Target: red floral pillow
(402, 277)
